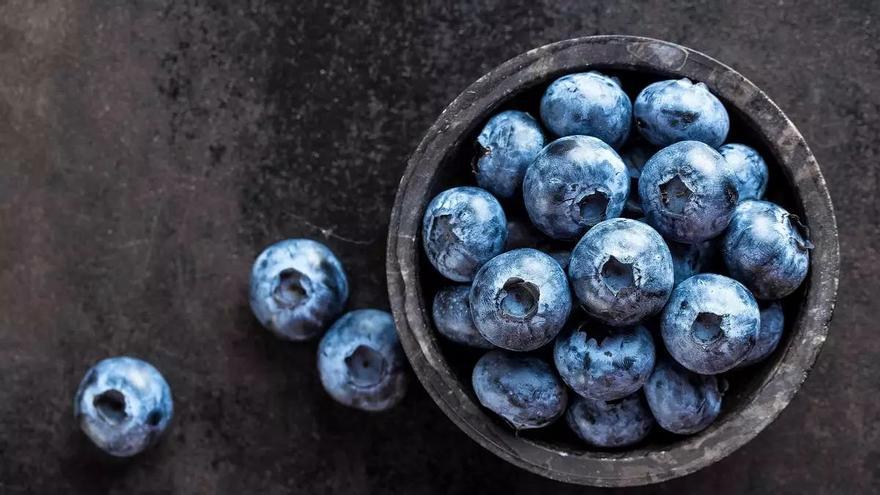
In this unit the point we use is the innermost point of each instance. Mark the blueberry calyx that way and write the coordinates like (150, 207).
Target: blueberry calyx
(110, 405)
(675, 195)
(518, 299)
(292, 288)
(800, 233)
(617, 275)
(591, 208)
(366, 366)
(706, 328)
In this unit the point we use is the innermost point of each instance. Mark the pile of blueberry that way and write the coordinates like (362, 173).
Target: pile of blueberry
(649, 260)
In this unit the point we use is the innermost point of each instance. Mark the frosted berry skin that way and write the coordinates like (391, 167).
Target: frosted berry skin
(507, 145)
(687, 191)
(452, 316)
(361, 363)
(297, 288)
(691, 259)
(766, 248)
(749, 170)
(635, 155)
(772, 324)
(463, 228)
(520, 300)
(710, 324)
(604, 363)
(621, 272)
(681, 401)
(520, 388)
(588, 104)
(123, 405)
(574, 183)
(610, 424)
(670, 111)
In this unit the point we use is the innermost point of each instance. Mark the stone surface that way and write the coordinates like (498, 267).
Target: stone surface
(151, 149)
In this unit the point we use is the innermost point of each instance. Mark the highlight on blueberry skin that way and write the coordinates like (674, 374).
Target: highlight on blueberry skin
(688, 193)
(520, 300)
(621, 272)
(452, 316)
(682, 402)
(297, 288)
(604, 363)
(670, 111)
(767, 249)
(361, 363)
(749, 170)
(507, 145)
(574, 183)
(710, 324)
(520, 388)
(463, 228)
(772, 325)
(588, 104)
(612, 424)
(123, 405)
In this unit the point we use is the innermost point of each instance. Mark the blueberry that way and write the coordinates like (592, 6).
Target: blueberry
(589, 104)
(635, 155)
(573, 184)
(520, 299)
(361, 363)
(678, 110)
(618, 423)
(688, 193)
(748, 168)
(767, 249)
(298, 287)
(452, 316)
(691, 259)
(463, 228)
(521, 389)
(621, 271)
(508, 144)
(682, 402)
(522, 234)
(562, 256)
(772, 324)
(604, 363)
(710, 324)
(123, 404)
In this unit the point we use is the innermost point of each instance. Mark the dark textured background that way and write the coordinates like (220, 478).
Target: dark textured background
(150, 149)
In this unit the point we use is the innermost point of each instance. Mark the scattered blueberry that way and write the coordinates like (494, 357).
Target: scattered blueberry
(589, 104)
(123, 404)
(678, 110)
(573, 184)
(297, 288)
(521, 389)
(463, 228)
(772, 324)
(688, 193)
(691, 259)
(710, 324)
(621, 271)
(682, 402)
(520, 299)
(618, 423)
(767, 249)
(635, 155)
(452, 316)
(508, 144)
(361, 363)
(749, 170)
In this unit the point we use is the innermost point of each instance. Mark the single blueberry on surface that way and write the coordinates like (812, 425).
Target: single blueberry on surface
(574, 183)
(588, 104)
(772, 324)
(767, 249)
(123, 404)
(520, 299)
(681, 401)
(452, 316)
(603, 363)
(297, 288)
(688, 193)
(635, 155)
(361, 363)
(710, 324)
(621, 272)
(691, 259)
(507, 145)
(749, 170)
(618, 423)
(670, 111)
(520, 388)
(463, 228)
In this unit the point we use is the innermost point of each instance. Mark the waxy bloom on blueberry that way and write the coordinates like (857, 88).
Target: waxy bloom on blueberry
(670, 111)
(682, 402)
(691, 259)
(452, 316)
(588, 104)
(635, 155)
(619, 423)
(123, 404)
(772, 324)
(748, 169)
(507, 145)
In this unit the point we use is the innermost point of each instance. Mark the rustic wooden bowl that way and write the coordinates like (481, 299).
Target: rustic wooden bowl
(756, 395)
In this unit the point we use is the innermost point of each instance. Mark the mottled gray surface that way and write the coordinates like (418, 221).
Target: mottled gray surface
(151, 149)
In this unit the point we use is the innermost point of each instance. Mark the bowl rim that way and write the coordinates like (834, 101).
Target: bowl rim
(470, 109)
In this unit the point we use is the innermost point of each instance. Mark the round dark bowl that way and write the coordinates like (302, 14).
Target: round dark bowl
(442, 160)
